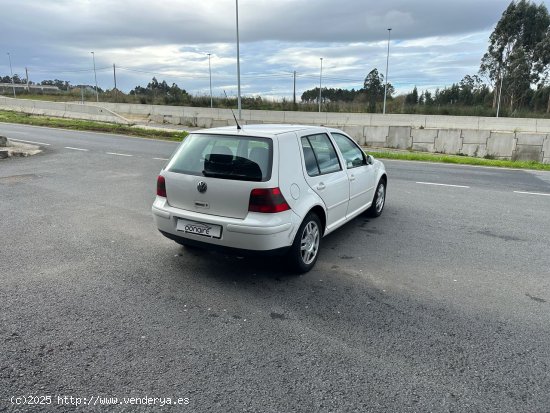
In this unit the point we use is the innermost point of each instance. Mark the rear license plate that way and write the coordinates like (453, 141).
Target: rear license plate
(199, 228)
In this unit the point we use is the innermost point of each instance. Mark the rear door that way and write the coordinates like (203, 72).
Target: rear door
(359, 172)
(214, 174)
(325, 175)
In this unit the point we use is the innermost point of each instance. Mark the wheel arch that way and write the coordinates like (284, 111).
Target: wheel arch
(320, 212)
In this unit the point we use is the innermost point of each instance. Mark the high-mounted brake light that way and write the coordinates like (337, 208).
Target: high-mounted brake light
(161, 186)
(267, 200)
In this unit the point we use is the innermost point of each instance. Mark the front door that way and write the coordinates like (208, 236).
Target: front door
(360, 174)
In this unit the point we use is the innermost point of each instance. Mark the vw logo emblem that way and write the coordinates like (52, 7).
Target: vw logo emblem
(202, 187)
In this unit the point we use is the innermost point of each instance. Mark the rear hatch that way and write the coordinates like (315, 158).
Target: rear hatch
(214, 174)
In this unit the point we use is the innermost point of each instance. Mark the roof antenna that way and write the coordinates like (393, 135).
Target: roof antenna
(234, 117)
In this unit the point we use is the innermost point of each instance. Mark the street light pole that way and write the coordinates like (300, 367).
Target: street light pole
(238, 61)
(210, 72)
(11, 71)
(294, 93)
(387, 64)
(95, 78)
(320, 83)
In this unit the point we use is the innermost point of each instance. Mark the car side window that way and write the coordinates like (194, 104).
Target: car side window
(353, 155)
(319, 155)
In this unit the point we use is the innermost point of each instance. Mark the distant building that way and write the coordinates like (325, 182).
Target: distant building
(6, 88)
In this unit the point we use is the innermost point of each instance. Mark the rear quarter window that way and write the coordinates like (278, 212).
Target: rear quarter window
(224, 157)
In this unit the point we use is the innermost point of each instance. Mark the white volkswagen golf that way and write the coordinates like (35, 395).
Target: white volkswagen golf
(267, 189)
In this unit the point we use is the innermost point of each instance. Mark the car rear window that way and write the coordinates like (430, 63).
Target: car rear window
(225, 157)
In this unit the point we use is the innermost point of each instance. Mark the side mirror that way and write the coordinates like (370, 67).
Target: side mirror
(370, 160)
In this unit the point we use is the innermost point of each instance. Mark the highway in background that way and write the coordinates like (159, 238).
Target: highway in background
(441, 304)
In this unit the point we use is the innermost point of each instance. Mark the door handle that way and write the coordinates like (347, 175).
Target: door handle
(321, 186)
(352, 177)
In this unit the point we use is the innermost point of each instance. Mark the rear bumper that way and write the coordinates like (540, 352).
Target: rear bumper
(228, 250)
(257, 232)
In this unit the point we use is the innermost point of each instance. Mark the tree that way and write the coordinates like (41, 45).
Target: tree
(309, 96)
(517, 50)
(156, 90)
(373, 89)
(8, 79)
(372, 92)
(543, 50)
(472, 90)
(412, 98)
(61, 84)
(428, 100)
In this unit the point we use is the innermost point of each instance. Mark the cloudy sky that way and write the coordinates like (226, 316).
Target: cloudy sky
(434, 42)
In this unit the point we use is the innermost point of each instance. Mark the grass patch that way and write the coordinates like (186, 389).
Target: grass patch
(461, 160)
(85, 125)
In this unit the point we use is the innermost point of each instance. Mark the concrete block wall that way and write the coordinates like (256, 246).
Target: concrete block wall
(374, 135)
(423, 139)
(546, 150)
(501, 145)
(337, 119)
(399, 137)
(479, 143)
(474, 142)
(62, 110)
(503, 138)
(448, 141)
(530, 146)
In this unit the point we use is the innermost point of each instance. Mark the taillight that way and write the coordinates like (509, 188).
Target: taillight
(267, 200)
(161, 186)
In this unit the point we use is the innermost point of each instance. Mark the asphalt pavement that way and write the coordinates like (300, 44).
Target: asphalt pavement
(442, 304)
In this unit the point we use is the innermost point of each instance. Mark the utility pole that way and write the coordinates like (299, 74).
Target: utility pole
(11, 71)
(95, 77)
(238, 61)
(294, 93)
(114, 75)
(320, 84)
(27, 77)
(387, 64)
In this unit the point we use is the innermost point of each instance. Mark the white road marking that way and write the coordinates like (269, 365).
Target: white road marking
(76, 149)
(433, 183)
(161, 159)
(118, 154)
(33, 142)
(531, 193)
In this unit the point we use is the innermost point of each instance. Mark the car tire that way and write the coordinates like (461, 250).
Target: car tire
(379, 200)
(304, 251)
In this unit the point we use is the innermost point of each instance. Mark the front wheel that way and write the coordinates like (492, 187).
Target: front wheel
(379, 200)
(305, 248)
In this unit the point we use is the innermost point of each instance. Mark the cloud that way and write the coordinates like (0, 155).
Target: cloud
(434, 42)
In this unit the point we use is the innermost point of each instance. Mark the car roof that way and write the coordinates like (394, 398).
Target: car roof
(262, 130)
